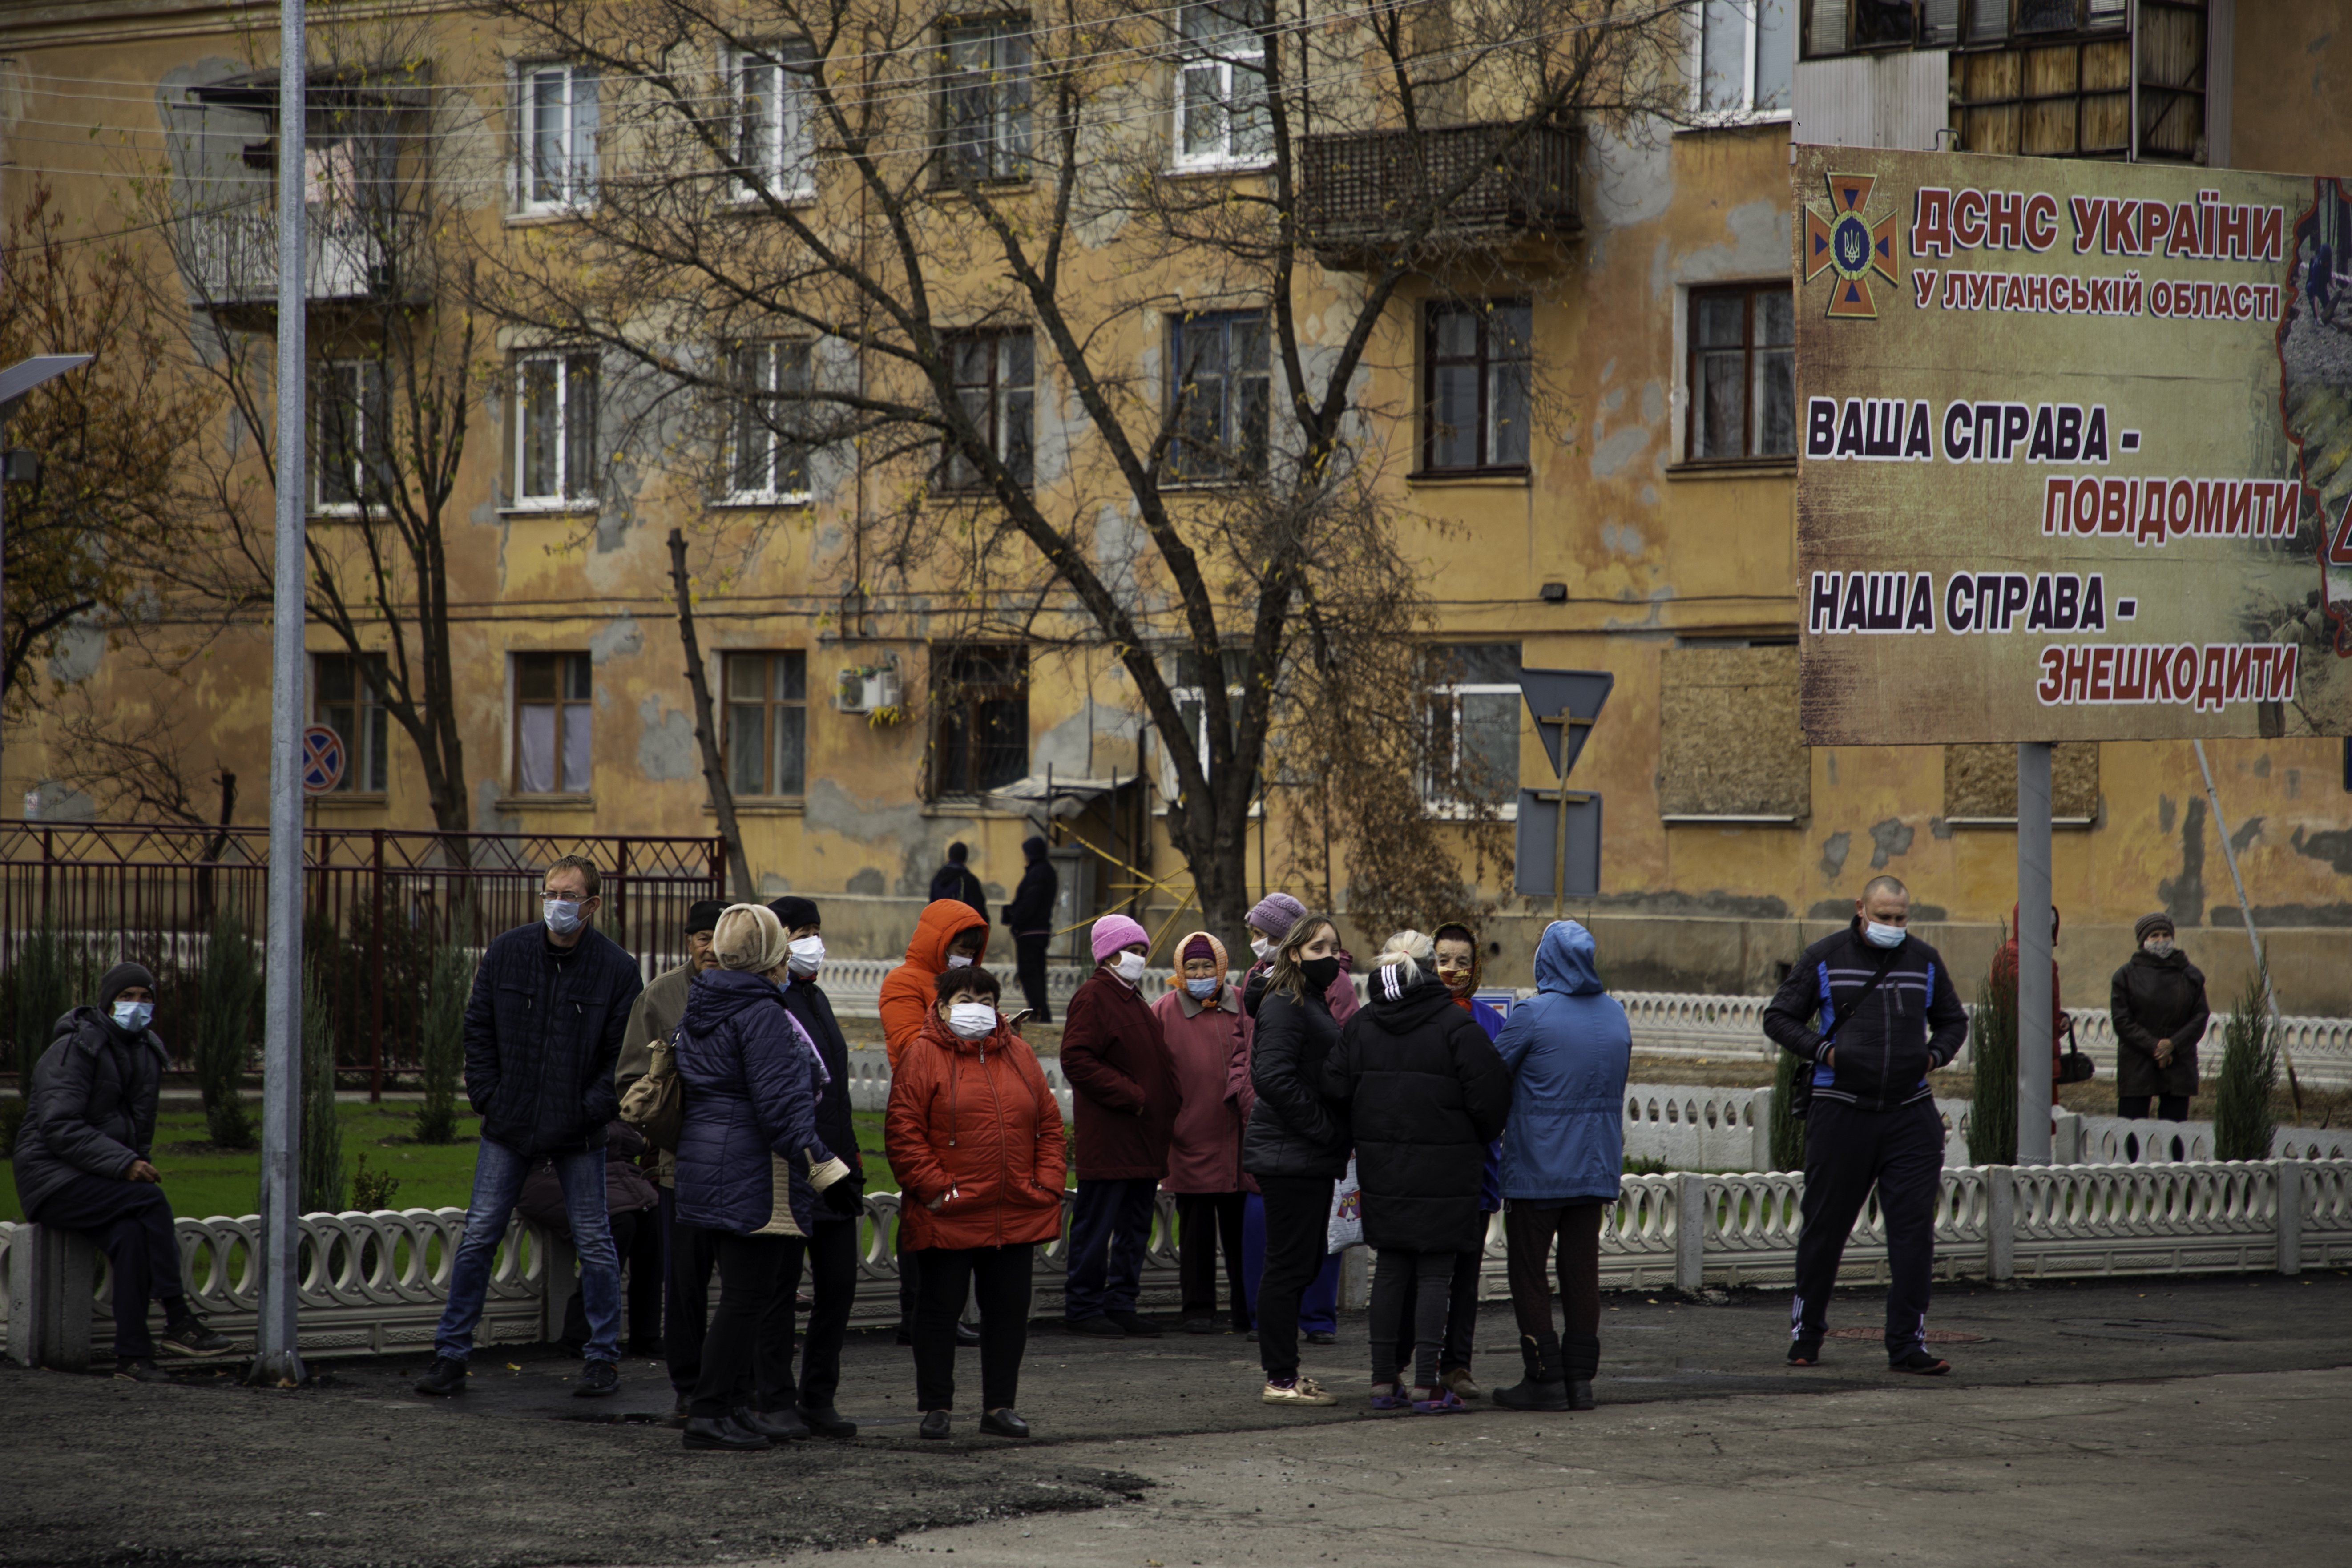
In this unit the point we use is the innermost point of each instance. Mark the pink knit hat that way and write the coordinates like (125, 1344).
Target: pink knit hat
(1115, 931)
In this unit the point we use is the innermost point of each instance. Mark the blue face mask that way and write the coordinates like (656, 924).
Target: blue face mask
(1880, 935)
(563, 915)
(1202, 989)
(132, 1017)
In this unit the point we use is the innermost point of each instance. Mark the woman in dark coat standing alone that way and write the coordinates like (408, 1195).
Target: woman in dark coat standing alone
(2157, 1002)
(1425, 1094)
(1296, 1142)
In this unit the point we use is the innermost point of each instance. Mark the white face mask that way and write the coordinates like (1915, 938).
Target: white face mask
(2159, 946)
(1262, 947)
(959, 961)
(972, 1020)
(563, 915)
(1882, 935)
(1128, 966)
(132, 1017)
(807, 955)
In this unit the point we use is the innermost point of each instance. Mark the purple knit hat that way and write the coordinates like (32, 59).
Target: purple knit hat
(1115, 931)
(1274, 914)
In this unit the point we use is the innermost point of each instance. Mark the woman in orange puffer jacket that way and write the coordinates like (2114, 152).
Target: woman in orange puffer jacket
(974, 1136)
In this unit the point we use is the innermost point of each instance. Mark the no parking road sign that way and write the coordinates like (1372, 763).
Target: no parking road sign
(323, 759)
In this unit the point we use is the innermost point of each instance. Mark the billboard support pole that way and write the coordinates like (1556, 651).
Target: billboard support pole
(2034, 957)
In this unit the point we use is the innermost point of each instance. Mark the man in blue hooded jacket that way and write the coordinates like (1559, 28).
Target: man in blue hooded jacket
(1568, 1048)
(1887, 1016)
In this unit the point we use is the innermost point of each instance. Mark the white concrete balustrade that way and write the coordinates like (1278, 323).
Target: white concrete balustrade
(375, 1282)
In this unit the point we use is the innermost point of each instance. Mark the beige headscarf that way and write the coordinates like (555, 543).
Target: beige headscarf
(749, 937)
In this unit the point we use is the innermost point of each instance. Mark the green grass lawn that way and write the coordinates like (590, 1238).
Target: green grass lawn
(201, 1181)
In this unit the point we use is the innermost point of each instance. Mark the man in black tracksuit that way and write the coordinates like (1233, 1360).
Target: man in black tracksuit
(1887, 1016)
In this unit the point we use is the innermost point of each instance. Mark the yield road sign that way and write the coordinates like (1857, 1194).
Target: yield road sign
(323, 759)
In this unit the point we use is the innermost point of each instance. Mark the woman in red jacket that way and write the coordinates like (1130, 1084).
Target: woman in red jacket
(975, 1136)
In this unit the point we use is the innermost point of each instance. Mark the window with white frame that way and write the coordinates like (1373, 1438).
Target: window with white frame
(346, 696)
(1473, 726)
(1744, 57)
(768, 462)
(557, 140)
(984, 100)
(1220, 85)
(1222, 393)
(551, 723)
(1190, 693)
(776, 129)
(995, 381)
(555, 428)
(351, 443)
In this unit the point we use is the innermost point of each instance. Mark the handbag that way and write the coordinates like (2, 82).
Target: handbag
(2076, 1066)
(655, 1103)
(1345, 1228)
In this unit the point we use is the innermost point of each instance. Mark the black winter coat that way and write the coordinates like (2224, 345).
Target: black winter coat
(543, 1031)
(1426, 1094)
(92, 1109)
(1912, 1024)
(1294, 1129)
(1031, 909)
(2155, 999)
(807, 1000)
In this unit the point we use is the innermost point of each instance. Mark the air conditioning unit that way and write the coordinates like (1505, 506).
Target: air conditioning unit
(865, 689)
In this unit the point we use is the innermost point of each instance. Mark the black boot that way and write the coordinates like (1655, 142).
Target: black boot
(1583, 1360)
(1543, 1388)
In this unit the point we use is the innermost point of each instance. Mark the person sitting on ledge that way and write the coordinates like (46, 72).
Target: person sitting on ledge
(82, 1164)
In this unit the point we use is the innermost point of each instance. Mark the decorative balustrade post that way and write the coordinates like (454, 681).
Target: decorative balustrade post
(1760, 1109)
(2290, 1215)
(1690, 1231)
(2000, 1224)
(52, 1272)
(2067, 1138)
(1356, 1279)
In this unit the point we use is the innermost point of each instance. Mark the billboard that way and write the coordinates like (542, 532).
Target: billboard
(2074, 449)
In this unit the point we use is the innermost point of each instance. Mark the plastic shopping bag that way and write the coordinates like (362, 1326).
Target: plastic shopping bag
(1346, 1225)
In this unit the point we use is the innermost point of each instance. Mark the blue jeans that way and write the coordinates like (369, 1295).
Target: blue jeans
(498, 1174)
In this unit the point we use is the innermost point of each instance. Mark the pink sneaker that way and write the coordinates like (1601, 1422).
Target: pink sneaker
(1446, 1402)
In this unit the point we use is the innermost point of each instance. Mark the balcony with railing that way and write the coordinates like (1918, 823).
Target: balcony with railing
(351, 254)
(1363, 194)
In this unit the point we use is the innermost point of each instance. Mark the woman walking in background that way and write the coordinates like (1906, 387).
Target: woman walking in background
(1296, 1143)
(1208, 1041)
(2158, 1002)
(751, 1167)
(1426, 1095)
(975, 1136)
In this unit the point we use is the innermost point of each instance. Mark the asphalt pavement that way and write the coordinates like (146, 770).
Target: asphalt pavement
(2114, 1393)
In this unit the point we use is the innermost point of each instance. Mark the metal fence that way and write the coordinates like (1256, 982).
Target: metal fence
(377, 902)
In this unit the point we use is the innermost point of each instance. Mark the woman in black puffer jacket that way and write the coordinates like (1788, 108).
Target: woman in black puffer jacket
(1295, 1144)
(1426, 1095)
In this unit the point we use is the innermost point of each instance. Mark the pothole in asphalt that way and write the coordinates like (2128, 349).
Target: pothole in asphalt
(2139, 1329)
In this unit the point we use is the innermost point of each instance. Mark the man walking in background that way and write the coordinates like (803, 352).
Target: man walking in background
(543, 1032)
(1030, 918)
(689, 1253)
(1887, 1016)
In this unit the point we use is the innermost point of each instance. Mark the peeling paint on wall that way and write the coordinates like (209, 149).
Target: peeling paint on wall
(667, 749)
(2184, 896)
(1834, 854)
(623, 636)
(81, 649)
(1888, 839)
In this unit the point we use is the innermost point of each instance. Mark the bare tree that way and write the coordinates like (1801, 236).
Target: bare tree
(399, 361)
(1091, 299)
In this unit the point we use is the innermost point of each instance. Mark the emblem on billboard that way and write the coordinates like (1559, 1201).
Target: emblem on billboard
(1850, 244)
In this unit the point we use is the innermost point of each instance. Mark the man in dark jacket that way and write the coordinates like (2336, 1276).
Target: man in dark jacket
(81, 1162)
(543, 1032)
(1124, 1100)
(955, 880)
(831, 1246)
(2160, 1012)
(1887, 1017)
(1030, 918)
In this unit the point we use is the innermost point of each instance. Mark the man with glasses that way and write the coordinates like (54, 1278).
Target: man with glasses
(543, 1032)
